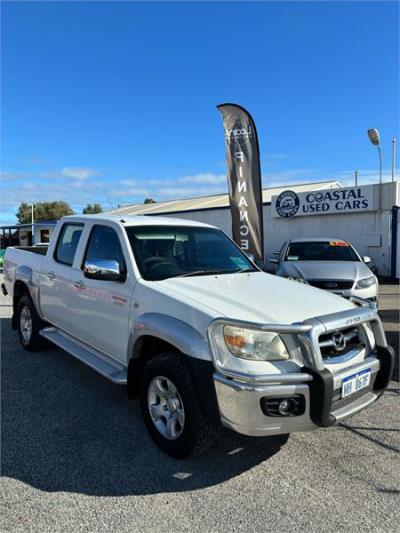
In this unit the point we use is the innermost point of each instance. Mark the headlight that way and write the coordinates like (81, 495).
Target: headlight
(366, 282)
(254, 344)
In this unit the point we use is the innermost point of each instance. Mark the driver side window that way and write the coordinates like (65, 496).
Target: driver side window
(104, 244)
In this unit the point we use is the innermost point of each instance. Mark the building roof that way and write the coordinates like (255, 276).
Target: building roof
(28, 225)
(216, 201)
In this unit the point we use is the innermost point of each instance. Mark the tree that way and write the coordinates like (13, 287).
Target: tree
(149, 201)
(92, 209)
(42, 211)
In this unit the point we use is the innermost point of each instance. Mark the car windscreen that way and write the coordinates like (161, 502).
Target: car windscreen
(163, 252)
(321, 251)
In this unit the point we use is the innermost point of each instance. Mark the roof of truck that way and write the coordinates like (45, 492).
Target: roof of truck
(138, 220)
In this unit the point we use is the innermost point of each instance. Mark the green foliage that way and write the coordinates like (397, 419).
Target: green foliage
(92, 209)
(42, 211)
(149, 201)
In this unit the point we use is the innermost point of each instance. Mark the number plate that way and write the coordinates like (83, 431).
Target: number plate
(356, 382)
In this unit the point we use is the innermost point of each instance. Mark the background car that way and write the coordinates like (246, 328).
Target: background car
(2, 252)
(331, 264)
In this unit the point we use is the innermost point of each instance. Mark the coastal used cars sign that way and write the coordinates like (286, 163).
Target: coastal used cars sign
(325, 202)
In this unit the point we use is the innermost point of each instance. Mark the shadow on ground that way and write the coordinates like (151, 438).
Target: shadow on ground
(65, 428)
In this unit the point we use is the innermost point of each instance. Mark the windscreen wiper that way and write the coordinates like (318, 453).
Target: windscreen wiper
(203, 273)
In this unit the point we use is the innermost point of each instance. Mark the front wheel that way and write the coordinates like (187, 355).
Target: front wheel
(29, 325)
(171, 408)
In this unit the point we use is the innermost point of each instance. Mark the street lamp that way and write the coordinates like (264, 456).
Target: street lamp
(373, 135)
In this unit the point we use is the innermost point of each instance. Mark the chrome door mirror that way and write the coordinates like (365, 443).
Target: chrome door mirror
(103, 269)
(366, 259)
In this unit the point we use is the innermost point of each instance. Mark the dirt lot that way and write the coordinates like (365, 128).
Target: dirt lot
(76, 457)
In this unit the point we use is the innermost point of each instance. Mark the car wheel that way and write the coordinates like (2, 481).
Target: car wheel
(29, 325)
(171, 409)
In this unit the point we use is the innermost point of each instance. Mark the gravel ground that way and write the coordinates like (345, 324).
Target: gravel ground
(76, 457)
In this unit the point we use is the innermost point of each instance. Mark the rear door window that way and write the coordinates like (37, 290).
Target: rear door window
(68, 243)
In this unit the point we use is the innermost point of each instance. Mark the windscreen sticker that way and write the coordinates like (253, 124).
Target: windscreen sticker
(239, 262)
(338, 243)
(292, 257)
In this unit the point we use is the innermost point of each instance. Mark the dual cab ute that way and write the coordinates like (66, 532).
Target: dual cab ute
(175, 311)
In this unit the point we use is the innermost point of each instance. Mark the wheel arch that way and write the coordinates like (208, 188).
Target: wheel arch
(178, 334)
(20, 289)
(156, 334)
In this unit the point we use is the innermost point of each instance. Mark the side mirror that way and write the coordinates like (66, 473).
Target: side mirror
(366, 259)
(273, 259)
(103, 269)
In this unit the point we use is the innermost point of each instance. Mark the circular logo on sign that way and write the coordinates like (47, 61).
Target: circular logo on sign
(287, 204)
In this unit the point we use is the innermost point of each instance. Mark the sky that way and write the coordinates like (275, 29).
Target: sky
(113, 102)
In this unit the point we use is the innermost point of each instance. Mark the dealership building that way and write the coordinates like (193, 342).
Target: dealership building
(367, 216)
(26, 234)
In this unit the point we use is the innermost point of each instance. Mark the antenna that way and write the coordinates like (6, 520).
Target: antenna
(108, 200)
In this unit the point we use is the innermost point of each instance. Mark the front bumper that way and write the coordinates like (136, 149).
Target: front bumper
(319, 383)
(240, 402)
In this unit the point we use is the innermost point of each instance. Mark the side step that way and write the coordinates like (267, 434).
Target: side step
(104, 365)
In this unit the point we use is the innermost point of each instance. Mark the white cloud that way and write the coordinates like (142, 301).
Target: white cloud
(191, 179)
(274, 156)
(71, 185)
(188, 192)
(11, 176)
(78, 173)
(202, 179)
(130, 182)
(365, 176)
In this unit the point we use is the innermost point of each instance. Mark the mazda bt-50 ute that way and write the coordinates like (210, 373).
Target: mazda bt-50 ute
(177, 313)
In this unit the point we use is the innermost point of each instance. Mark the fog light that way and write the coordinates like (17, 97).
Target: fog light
(289, 406)
(286, 407)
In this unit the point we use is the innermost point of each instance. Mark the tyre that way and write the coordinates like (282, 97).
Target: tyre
(171, 409)
(28, 325)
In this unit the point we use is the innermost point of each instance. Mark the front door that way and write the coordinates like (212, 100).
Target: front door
(55, 283)
(100, 308)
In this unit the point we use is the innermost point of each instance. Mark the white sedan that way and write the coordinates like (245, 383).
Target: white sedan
(331, 264)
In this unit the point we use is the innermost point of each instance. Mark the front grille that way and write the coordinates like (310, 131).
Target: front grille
(332, 284)
(338, 402)
(340, 342)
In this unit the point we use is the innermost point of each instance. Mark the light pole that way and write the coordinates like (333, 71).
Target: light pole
(373, 135)
(393, 159)
(32, 222)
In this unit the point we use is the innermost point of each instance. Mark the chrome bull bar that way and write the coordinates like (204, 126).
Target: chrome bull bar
(308, 333)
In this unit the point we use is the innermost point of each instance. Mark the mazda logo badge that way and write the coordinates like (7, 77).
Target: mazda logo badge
(339, 341)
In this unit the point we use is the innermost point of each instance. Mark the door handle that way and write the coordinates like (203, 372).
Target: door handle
(51, 274)
(79, 284)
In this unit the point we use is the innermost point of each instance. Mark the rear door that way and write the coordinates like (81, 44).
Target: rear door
(99, 308)
(55, 285)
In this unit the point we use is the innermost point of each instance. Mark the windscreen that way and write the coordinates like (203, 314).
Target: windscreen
(163, 252)
(321, 251)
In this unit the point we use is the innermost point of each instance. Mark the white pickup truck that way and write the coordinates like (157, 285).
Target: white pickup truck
(175, 311)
